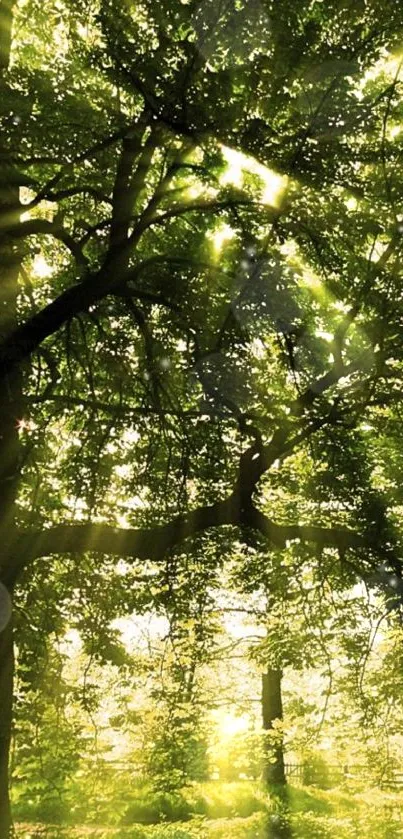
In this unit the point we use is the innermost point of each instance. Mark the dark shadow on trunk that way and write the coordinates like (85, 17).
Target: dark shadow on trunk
(11, 256)
(6, 703)
(279, 823)
(272, 713)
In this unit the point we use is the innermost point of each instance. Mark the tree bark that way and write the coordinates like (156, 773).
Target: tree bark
(272, 712)
(10, 410)
(6, 702)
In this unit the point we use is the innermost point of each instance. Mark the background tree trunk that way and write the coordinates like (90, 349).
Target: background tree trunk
(272, 710)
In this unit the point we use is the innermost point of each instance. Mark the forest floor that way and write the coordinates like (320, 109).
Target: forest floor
(312, 814)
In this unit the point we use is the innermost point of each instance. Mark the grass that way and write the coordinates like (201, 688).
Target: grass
(245, 811)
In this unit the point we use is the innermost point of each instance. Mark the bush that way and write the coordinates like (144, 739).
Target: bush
(45, 809)
(316, 772)
(168, 831)
(255, 827)
(153, 808)
(311, 826)
(228, 800)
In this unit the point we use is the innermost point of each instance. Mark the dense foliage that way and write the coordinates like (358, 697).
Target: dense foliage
(201, 366)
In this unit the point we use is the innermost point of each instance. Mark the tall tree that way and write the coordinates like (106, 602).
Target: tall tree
(11, 394)
(181, 376)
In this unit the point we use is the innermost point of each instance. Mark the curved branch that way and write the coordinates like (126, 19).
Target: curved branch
(324, 537)
(154, 542)
(166, 259)
(132, 543)
(34, 227)
(117, 409)
(206, 206)
(47, 194)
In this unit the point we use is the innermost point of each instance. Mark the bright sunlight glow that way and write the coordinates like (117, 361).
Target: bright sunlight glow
(222, 233)
(41, 267)
(230, 724)
(238, 163)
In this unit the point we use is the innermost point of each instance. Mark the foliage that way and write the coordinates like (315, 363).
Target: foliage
(316, 772)
(322, 814)
(201, 360)
(154, 808)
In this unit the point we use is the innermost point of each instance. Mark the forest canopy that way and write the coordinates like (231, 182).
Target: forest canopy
(201, 358)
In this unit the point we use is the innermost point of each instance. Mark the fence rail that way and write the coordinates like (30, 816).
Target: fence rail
(309, 773)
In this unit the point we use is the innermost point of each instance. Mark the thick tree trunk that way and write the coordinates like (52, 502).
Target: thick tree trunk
(272, 711)
(10, 394)
(6, 702)
(10, 411)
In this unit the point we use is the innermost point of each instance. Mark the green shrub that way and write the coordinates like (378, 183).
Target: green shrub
(311, 826)
(45, 809)
(226, 800)
(167, 831)
(316, 771)
(153, 808)
(255, 827)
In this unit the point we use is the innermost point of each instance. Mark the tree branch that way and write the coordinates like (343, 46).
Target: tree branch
(280, 534)
(128, 186)
(143, 543)
(154, 542)
(6, 23)
(119, 409)
(206, 206)
(46, 194)
(35, 227)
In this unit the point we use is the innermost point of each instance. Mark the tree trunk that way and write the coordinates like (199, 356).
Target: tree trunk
(10, 409)
(6, 702)
(10, 413)
(272, 712)
(10, 395)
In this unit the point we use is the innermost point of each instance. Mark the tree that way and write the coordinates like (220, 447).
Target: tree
(185, 382)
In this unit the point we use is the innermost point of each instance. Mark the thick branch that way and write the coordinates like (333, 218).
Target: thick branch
(127, 187)
(34, 227)
(154, 542)
(6, 24)
(332, 377)
(279, 534)
(47, 194)
(143, 543)
(78, 298)
(258, 459)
